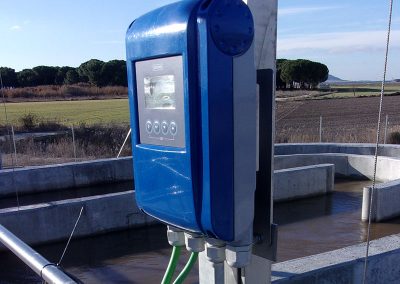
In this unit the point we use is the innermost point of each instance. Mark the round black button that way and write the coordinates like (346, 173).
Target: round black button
(156, 127)
(172, 128)
(149, 127)
(164, 127)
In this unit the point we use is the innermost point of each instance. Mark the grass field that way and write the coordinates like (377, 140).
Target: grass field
(340, 91)
(361, 90)
(71, 112)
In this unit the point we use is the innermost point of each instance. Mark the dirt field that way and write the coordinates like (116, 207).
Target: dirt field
(344, 120)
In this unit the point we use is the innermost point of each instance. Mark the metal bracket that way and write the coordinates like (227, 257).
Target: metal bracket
(265, 233)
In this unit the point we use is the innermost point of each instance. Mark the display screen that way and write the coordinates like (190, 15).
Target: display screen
(159, 92)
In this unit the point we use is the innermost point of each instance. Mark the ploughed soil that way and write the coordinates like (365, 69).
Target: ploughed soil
(343, 120)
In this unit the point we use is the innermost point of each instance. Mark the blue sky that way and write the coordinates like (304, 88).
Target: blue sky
(348, 36)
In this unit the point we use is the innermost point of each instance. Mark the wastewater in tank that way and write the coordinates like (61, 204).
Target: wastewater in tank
(306, 227)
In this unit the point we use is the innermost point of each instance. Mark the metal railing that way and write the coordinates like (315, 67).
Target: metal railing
(48, 271)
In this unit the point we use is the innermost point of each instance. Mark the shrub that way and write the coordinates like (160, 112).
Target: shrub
(29, 120)
(394, 138)
(54, 92)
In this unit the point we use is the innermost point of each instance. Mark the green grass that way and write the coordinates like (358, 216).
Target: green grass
(362, 90)
(71, 112)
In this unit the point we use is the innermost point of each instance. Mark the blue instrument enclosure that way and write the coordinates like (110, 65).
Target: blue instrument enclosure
(184, 172)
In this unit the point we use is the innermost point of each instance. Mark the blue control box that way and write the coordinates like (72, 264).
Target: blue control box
(190, 74)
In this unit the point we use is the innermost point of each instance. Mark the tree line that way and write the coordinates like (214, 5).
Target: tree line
(94, 72)
(300, 74)
(291, 74)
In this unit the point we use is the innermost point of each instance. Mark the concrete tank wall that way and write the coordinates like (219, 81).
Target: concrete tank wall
(53, 221)
(63, 176)
(346, 165)
(344, 265)
(72, 175)
(345, 148)
(386, 201)
(295, 183)
(309, 180)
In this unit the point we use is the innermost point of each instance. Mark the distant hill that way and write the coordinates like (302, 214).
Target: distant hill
(332, 78)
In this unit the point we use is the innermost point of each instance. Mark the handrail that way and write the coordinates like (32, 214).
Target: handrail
(48, 271)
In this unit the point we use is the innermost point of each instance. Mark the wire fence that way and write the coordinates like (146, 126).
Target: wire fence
(74, 143)
(330, 130)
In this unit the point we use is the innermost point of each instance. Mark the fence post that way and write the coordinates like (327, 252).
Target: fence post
(73, 140)
(386, 128)
(15, 148)
(320, 129)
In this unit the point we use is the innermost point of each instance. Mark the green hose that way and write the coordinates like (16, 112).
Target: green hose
(176, 252)
(188, 267)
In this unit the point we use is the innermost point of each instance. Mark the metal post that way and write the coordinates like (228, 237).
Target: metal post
(48, 271)
(73, 140)
(15, 148)
(320, 129)
(386, 128)
(265, 30)
(123, 144)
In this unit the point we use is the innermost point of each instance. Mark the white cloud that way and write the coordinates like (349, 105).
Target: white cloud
(339, 42)
(303, 10)
(16, 28)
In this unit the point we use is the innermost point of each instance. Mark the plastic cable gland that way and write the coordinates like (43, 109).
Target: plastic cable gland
(175, 237)
(238, 257)
(194, 243)
(215, 252)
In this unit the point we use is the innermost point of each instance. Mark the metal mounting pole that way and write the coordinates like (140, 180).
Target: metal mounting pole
(264, 250)
(48, 271)
(265, 232)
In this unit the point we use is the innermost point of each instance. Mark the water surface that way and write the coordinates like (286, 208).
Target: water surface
(306, 227)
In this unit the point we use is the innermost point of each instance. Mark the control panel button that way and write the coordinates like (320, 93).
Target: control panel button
(164, 127)
(172, 128)
(149, 126)
(156, 127)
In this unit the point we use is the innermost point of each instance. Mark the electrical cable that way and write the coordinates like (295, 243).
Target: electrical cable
(188, 267)
(70, 236)
(123, 144)
(173, 261)
(377, 142)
